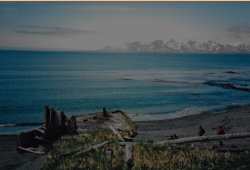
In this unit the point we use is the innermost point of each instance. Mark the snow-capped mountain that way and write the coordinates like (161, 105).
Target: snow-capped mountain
(172, 46)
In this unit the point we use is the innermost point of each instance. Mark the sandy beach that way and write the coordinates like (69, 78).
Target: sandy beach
(234, 120)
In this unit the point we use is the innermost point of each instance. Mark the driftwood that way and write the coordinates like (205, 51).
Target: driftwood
(98, 146)
(41, 147)
(129, 155)
(32, 150)
(67, 153)
(128, 138)
(196, 139)
(93, 148)
(109, 153)
(42, 139)
(206, 138)
(83, 135)
(128, 143)
(116, 133)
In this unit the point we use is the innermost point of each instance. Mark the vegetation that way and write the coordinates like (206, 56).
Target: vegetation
(146, 155)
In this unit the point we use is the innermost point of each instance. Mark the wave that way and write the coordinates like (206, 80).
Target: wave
(177, 114)
(20, 124)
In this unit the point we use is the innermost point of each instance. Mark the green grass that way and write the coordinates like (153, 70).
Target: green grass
(146, 155)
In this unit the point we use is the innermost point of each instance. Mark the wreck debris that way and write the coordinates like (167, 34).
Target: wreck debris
(118, 119)
(56, 124)
(116, 133)
(129, 156)
(32, 150)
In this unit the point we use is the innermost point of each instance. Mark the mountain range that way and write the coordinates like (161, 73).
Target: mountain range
(172, 46)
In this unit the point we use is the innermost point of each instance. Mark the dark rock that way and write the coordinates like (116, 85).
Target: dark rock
(226, 85)
(230, 72)
(125, 79)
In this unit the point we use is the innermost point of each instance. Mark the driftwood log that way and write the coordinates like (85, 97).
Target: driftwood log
(196, 139)
(207, 138)
(129, 156)
(93, 148)
(128, 138)
(116, 133)
(32, 150)
(98, 146)
(75, 150)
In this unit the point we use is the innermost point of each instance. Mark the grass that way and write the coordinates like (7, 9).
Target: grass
(147, 155)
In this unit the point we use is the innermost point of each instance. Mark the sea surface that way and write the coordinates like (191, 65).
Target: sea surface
(146, 86)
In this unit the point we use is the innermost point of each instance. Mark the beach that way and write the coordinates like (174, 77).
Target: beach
(234, 120)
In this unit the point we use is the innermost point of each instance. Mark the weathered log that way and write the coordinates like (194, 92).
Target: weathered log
(83, 135)
(32, 151)
(206, 138)
(196, 139)
(41, 147)
(42, 139)
(129, 156)
(98, 146)
(128, 138)
(116, 133)
(128, 143)
(67, 153)
(109, 153)
(93, 148)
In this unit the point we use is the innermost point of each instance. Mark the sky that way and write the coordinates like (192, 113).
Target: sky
(95, 25)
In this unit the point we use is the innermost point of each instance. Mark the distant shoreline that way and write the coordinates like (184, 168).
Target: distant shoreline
(88, 51)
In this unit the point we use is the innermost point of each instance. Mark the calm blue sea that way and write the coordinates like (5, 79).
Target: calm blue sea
(80, 83)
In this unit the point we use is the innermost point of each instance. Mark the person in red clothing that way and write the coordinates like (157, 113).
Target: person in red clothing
(201, 131)
(220, 132)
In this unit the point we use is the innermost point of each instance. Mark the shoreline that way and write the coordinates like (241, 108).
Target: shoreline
(236, 119)
(217, 111)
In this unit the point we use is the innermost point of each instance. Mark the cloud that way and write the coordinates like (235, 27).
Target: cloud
(110, 8)
(116, 8)
(236, 36)
(240, 29)
(52, 31)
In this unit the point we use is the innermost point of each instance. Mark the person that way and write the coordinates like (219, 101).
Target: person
(201, 131)
(171, 137)
(175, 136)
(220, 132)
(104, 112)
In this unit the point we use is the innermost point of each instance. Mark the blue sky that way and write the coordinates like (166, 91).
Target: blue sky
(94, 25)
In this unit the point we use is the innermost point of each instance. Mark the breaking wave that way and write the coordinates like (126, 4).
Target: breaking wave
(20, 124)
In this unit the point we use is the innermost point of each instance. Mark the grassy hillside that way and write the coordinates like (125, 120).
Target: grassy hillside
(146, 155)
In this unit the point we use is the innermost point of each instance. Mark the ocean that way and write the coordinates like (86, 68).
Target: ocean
(146, 86)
